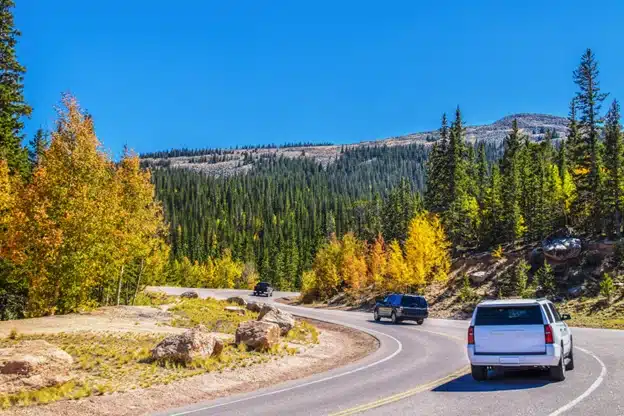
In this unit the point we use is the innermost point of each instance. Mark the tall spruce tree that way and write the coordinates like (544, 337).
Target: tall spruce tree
(513, 223)
(13, 107)
(614, 160)
(587, 163)
(437, 192)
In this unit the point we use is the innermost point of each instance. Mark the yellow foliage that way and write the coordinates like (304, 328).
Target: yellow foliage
(426, 250)
(498, 252)
(377, 261)
(397, 272)
(353, 268)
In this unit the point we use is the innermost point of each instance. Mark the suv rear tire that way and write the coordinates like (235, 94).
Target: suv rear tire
(420, 321)
(376, 316)
(570, 364)
(479, 372)
(394, 318)
(557, 372)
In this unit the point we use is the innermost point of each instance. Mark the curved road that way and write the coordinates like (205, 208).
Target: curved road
(423, 370)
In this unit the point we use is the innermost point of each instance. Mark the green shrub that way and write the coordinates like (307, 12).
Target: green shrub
(607, 287)
(546, 279)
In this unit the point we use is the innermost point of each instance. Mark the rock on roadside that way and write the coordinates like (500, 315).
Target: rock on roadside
(264, 309)
(254, 306)
(283, 319)
(237, 300)
(194, 343)
(235, 309)
(257, 335)
(191, 294)
(33, 364)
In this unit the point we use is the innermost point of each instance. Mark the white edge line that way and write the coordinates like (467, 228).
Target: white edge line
(594, 386)
(270, 393)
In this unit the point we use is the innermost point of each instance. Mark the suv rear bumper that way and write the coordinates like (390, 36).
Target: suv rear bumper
(550, 358)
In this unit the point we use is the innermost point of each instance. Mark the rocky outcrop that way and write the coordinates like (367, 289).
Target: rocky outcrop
(194, 343)
(237, 300)
(257, 335)
(191, 294)
(283, 319)
(33, 364)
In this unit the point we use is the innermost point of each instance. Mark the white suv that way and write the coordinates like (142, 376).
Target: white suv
(519, 333)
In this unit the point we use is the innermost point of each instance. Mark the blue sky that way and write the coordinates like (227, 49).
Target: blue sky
(159, 75)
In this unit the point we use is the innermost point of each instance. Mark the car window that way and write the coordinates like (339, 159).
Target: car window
(554, 312)
(509, 315)
(395, 299)
(411, 302)
(548, 313)
(423, 302)
(387, 299)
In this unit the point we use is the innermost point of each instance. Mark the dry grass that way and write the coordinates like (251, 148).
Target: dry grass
(208, 312)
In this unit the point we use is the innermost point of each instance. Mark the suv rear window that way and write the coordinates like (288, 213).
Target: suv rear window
(508, 315)
(263, 285)
(413, 302)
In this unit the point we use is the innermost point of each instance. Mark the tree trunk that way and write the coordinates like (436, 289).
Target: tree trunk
(119, 285)
(136, 291)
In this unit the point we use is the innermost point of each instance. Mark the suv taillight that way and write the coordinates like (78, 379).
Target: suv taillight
(548, 334)
(471, 335)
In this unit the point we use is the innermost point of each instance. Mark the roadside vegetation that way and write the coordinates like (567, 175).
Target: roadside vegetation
(107, 362)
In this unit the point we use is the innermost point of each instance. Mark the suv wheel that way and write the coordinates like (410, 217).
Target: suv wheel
(557, 372)
(376, 316)
(479, 372)
(570, 364)
(420, 321)
(394, 318)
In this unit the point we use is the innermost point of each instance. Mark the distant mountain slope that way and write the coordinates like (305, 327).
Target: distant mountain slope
(226, 162)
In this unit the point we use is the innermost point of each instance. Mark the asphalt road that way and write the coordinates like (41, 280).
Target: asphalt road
(423, 370)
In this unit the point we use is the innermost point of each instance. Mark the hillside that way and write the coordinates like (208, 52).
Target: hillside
(226, 162)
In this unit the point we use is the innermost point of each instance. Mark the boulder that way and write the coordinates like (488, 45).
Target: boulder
(266, 308)
(235, 309)
(30, 357)
(237, 300)
(283, 319)
(33, 365)
(191, 294)
(257, 335)
(478, 277)
(562, 249)
(254, 306)
(194, 343)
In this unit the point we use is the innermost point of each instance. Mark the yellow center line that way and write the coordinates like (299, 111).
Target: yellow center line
(419, 389)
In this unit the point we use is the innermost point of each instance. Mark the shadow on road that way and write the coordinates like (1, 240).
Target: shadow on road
(386, 322)
(510, 380)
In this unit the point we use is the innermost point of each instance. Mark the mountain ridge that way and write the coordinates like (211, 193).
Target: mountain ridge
(234, 161)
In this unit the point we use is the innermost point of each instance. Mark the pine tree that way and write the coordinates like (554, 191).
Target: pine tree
(614, 163)
(437, 192)
(37, 146)
(13, 106)
(587, 163)
(513, 223)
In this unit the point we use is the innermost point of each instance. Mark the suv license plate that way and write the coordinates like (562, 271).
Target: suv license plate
(509, 360)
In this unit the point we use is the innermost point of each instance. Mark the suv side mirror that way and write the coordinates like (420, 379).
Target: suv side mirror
(566, 317)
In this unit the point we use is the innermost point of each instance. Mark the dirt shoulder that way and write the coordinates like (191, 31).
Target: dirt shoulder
(337, 346)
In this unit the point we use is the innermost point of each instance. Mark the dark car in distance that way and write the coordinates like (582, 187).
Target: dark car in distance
(402, 307)
(263, 288)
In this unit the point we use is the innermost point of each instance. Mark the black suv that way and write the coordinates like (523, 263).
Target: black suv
(263, 288)
(400, 307)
